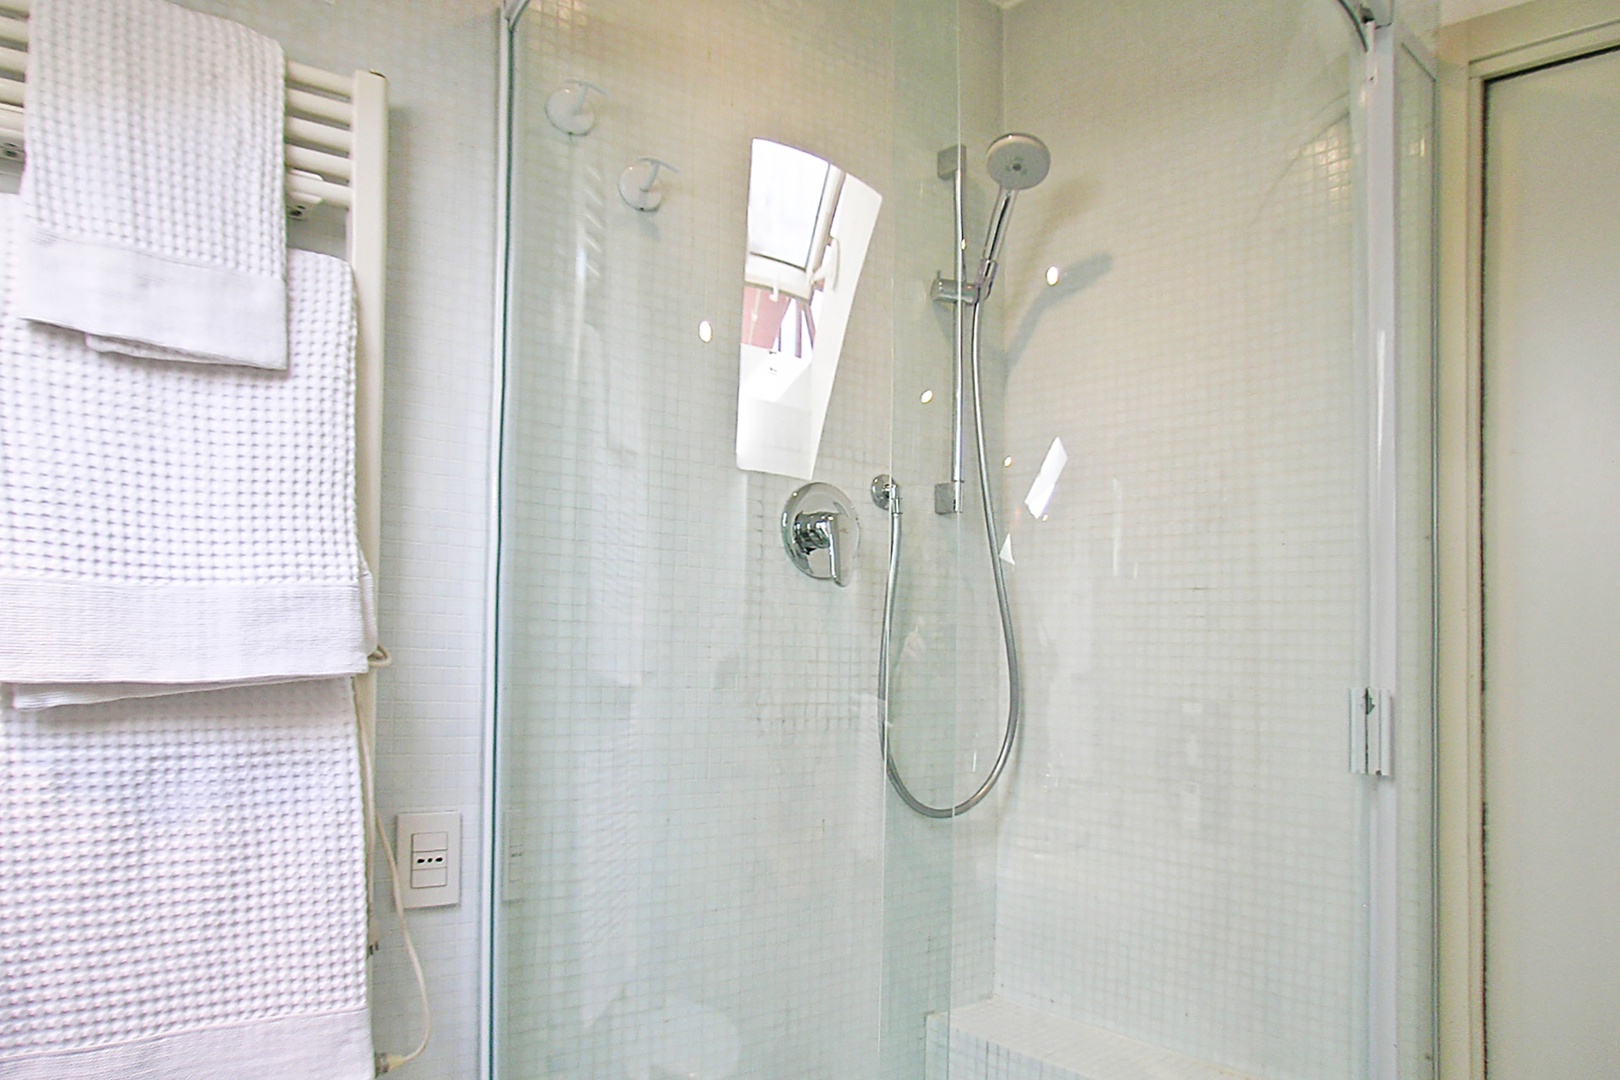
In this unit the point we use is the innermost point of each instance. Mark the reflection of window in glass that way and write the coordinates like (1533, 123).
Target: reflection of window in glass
(787, 204)
(792, 199)
(1045, 484)
(777, 321)
(809, 224)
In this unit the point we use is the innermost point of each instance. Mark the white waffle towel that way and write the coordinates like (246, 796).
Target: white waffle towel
(28, 697)
(182, 889)
(181, 523)
(154, 182)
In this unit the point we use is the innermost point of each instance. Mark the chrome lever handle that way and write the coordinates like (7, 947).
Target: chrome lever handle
(815, 533)
(827, 531)
(821, 533)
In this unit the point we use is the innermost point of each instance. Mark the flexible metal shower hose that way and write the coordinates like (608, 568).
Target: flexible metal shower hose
(1009, 640)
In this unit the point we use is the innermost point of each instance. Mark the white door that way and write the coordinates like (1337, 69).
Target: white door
(1552, 573)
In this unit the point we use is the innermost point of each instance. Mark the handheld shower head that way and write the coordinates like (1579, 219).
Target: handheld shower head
(1016, 162)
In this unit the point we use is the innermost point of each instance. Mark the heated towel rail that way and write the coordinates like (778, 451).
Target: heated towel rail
(336, 138)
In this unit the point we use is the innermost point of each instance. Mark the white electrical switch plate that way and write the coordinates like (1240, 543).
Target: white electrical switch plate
(428, 847)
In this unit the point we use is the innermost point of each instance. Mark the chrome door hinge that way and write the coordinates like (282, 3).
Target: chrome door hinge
(1372, 732)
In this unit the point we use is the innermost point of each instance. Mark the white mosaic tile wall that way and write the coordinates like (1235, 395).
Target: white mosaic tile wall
(1179, 859)
(440, 59)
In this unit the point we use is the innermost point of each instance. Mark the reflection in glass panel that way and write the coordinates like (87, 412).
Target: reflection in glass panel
(809, 224)
(790, 199)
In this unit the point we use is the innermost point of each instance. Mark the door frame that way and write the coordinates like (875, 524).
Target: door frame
(1472, 53)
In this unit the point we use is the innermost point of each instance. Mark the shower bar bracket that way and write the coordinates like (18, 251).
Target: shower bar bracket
(946, 290)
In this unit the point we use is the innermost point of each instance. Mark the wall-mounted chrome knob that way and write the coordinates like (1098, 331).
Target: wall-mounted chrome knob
(821, 533)
(569, 109)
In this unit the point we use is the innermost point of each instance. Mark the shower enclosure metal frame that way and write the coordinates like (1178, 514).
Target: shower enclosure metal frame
(1376, 114)
(1378, 121)
(489, 816)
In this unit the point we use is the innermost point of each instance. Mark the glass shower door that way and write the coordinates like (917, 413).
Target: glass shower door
(693, 870)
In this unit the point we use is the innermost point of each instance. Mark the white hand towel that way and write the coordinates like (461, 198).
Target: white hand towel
(154, 182)
(182, 889)
(181, 523)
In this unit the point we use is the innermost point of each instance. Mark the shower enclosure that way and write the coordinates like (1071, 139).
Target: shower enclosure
(1206, 400)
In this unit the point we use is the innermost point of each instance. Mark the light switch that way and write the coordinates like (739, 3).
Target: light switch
(428, 847)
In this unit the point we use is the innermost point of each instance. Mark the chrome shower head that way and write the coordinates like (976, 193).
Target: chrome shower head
(1017, 161)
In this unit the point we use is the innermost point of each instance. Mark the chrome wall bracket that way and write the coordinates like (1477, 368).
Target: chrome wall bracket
(946, 290)
(821, 533)
(885, 493)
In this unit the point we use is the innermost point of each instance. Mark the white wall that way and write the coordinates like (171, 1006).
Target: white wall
(441, 60)
(1551, 520)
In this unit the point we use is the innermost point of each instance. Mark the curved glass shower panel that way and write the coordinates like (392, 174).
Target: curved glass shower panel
(692, 853)
(1175, 382)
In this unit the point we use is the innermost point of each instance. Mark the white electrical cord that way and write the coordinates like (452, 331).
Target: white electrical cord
(387, 1062)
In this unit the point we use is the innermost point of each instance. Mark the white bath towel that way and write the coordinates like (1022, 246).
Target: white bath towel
(182, 889)
(181, 523)
(154, 182)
